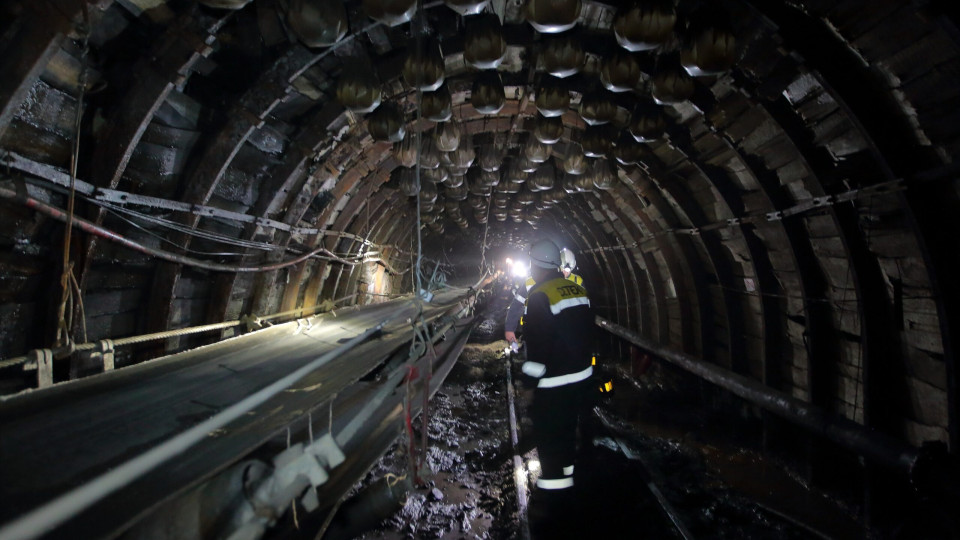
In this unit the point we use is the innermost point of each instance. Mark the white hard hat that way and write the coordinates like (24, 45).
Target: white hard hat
(567, 260)
(545, 254)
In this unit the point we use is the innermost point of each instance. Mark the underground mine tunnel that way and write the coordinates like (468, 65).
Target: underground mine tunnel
(257, 257)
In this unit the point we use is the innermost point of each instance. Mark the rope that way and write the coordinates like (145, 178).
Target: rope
(64, 329)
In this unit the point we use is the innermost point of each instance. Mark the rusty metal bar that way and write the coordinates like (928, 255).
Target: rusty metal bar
(875, 446)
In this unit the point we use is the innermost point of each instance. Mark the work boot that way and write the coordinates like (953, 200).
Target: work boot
(551, 514)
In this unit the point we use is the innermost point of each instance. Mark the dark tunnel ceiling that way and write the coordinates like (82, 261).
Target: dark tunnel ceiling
(791, 216)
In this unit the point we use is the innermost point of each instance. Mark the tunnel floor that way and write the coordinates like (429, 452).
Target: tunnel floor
(716, 490)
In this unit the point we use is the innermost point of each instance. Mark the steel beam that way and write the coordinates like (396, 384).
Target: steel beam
(882, 449)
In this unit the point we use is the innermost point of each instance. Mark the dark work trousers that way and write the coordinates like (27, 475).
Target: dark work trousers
(555, 413)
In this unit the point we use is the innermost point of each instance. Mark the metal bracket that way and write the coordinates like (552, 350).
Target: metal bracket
(43, 359)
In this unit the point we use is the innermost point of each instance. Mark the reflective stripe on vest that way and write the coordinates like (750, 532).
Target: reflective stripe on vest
(569, 303)
(559, 483)
(562, 380)
(568, 470)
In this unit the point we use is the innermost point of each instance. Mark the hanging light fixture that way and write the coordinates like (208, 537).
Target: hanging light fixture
(597, 108)
(390, 12)
(483, 45)
(423, 68)
(548, 130)
(358, 88)
(437, 106)
(487, 95)
(563, 56)
(648, 122)
(551, 100)
(553, 16)
(386, 123)
(447, 136)
(619, 72)
(318, 23)
(645, 25)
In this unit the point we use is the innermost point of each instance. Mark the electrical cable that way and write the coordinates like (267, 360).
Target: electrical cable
(97, 230)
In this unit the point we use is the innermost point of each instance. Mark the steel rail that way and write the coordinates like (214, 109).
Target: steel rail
(519, 471)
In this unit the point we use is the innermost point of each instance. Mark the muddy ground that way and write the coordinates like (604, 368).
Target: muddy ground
(469, 489)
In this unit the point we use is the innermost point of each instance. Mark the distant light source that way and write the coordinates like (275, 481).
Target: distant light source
(519, 269)
(509, 261)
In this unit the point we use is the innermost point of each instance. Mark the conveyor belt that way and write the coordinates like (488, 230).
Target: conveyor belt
(55, 439)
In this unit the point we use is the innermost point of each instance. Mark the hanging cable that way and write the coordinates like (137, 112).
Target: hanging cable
(64, 329)
(92, 228)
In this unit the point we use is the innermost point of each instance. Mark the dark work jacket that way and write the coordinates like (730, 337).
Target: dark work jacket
(519, 301)
(558, 325)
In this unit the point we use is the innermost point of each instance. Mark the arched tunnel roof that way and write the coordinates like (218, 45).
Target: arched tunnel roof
(793, 218)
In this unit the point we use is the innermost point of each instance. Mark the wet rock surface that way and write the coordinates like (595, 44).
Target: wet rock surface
(469, 489)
